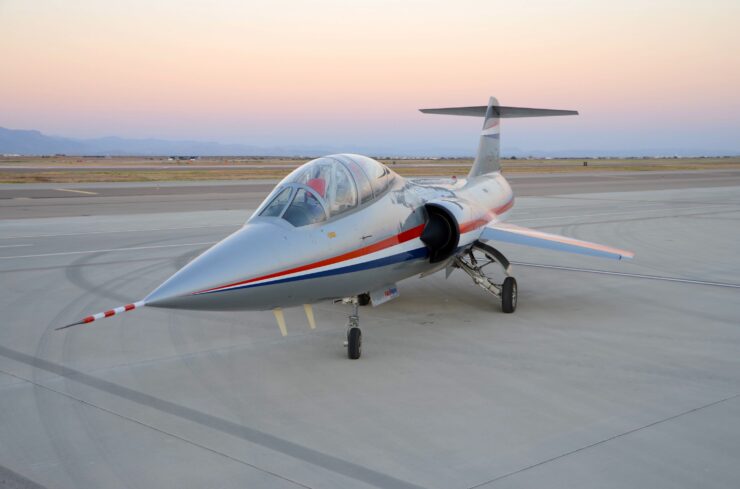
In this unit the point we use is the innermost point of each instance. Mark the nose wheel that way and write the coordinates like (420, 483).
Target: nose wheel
(354, 334)
(354, 343)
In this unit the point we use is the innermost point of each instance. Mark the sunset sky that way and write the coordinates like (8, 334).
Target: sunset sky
(352, 73)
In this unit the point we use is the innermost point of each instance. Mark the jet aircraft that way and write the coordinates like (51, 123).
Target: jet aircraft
(347, 228)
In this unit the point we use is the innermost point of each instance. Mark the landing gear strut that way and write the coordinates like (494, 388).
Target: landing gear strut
(506, 291)
(354, 334)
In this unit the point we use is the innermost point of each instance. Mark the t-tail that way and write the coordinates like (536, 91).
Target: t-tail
(488, 160)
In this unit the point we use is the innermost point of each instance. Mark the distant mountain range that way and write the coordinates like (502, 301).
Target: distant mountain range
(30, 142)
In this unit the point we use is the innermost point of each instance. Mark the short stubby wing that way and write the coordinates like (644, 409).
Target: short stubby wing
(510, 233)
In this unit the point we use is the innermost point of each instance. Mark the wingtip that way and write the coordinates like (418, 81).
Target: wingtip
(626, 255)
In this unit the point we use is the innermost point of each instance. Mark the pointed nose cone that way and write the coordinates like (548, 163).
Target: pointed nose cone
(244, 254)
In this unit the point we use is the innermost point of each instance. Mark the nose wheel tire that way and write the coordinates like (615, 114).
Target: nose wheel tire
(354, 343)
(508, 295)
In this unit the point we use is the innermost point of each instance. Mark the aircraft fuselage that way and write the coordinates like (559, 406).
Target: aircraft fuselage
(270, 263)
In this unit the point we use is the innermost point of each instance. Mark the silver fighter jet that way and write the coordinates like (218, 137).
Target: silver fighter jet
(347, 228)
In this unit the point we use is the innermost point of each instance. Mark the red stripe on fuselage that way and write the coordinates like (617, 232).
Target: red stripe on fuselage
(466, 227)
(380, 245)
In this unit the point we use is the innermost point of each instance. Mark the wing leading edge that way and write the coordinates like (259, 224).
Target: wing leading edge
(511, 233)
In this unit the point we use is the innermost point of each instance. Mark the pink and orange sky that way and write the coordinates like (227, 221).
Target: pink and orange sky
(352, 73)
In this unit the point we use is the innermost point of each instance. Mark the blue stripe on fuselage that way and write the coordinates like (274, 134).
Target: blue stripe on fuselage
(380, 262)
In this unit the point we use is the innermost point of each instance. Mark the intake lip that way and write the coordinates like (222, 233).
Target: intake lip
(441, 233)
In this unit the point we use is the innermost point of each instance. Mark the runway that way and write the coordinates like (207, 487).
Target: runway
(609, 374)
(59, 200)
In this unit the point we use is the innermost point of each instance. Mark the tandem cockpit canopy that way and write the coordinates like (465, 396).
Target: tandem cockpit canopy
(325, 188)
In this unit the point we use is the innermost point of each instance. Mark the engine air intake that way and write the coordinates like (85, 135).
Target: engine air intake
(441, 233)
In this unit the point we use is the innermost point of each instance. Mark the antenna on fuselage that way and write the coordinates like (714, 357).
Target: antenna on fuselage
(280, 318)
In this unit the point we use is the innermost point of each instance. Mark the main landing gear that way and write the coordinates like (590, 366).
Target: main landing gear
(473, 265)
(354, 334)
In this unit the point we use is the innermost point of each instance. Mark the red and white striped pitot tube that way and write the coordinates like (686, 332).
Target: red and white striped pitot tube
(106, 314)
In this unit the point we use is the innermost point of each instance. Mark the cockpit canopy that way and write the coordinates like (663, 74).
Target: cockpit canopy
(325, 188)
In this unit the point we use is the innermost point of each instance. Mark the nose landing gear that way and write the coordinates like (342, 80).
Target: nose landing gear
(354, 334)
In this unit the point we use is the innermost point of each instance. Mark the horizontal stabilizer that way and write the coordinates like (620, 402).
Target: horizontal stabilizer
(500, 110)
(510, 233)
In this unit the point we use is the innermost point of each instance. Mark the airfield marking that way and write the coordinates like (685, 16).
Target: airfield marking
(606, 440)
(5, 472)
(118, 231)
(626, 274)
(13, 479)
(261, 438)
(623, 212)
(15, 246)
(76, 191)
(134, 248)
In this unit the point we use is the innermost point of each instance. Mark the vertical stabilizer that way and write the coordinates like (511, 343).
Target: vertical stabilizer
(487, 159)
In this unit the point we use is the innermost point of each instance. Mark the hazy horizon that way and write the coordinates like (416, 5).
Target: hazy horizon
(657, 74)
(30, 145)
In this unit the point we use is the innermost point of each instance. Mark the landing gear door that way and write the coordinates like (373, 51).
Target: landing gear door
(381, 296)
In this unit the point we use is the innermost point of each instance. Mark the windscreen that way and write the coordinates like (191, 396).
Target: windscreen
(275, 208)
(305, 209)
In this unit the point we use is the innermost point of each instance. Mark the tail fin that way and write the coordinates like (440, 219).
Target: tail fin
(487, 159)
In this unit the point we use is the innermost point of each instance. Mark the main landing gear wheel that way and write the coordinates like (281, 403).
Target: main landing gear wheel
(354, 343)
(508, 295)
(474, 266)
